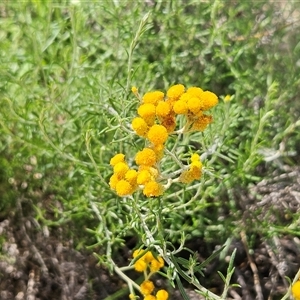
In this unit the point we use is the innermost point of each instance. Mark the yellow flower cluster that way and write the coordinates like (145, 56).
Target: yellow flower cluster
(156, 120)
(296, 290)
(149, 264)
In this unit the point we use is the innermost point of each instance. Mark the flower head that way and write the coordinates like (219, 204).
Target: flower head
(157, 134)
(152, 189)
(140, 126)
(147, 287)
(120, 169)
(150, 297)
(156, 264)
(175, 91)
(194, 91)
(209, 100)
(153, 97)
(131, 176)
(140, 265)
(296, 290)
(146, 157)
(113, 181)
(180, 107)
(163, 108)
(162, 295)
(143, 177)
(201, 123)
(147, 112)
(124, 188)
(120, 157)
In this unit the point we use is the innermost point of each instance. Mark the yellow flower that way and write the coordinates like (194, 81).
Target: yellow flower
(140, 265)
(195, 157)
(201, 123)
(185, 97)
(140, 126)
(194, 104)
(194, 91)
(143, 177)
(134, 90)
(147, 112)
(163, 109)
(153, 97)
(137, 252)
(120, 157)
(209, 100)
(152, 189)
(156, 264)
(157, 134)
(131, 296)
(162, 295)
(147, 287)
(175, 91)
(124, 188)
(113, 181)
(120, 169)
(148, 257)
(227, 98)
(296, 290)
(180, 107)
(131, 176)
(145, 157)
(150, 297)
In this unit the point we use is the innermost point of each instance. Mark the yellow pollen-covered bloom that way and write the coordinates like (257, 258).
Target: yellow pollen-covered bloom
(185, 97)
(150, 297)
(209, 100)
(195, 91)
(131, 176)
(163, 108)
(146, 111)
(157, 134)
(113, 181)
(180, 107)
(120, 157)
(146, 157)
(175, 91)
(296, 290)
(156, 264)
(162, 295)
(195, 157)
(227, 98)
(152, 189)
(201, 123)
(140, 265)
(194, 104)
(132, 296)
(140, 126)
(143, 177)
(120, 169)
(124, 188)
(147, 287)
(148, 257)
(134, 90)
(153, 97)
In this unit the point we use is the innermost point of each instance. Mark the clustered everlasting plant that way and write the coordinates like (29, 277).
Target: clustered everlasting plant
(160, 116)
(156, 121)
